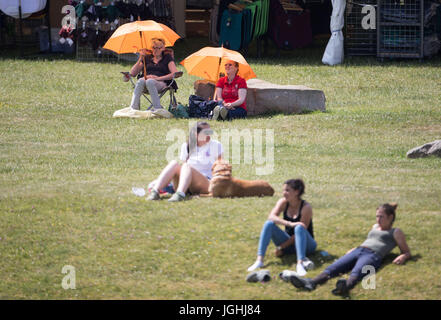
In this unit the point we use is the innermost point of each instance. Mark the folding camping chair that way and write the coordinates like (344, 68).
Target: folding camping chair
(171, 88)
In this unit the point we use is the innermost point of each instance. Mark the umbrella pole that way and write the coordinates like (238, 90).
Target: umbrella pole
(143, 59)
(217, 78)
(218, 68)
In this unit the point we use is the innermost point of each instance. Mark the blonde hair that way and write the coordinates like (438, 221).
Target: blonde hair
(157, 41)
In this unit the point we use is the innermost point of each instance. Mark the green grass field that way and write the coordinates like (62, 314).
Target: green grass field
(67, 169)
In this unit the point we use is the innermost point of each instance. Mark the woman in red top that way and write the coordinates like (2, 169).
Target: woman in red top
(232, 91)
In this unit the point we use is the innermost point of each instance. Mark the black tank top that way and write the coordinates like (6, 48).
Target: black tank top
(158, 69)
(290, 230)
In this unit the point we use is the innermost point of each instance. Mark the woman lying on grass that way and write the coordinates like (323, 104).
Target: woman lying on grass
(380, 241)
(198, 156)
(298, 236)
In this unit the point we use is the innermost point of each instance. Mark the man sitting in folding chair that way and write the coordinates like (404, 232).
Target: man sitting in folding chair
(157, 71)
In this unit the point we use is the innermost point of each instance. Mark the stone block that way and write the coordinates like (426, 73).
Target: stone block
(264, 97)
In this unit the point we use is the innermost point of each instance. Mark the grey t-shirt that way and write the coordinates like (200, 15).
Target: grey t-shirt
(380, 241)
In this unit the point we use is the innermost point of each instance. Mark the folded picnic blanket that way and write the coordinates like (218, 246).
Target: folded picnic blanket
(138, 114)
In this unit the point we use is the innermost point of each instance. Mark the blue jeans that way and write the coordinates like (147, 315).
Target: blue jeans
(354, 261)
(236, 113)
(304, 243)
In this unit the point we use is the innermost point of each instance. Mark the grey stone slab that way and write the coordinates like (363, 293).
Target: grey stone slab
(265, 97)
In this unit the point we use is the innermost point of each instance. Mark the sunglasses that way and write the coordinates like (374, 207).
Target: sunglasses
(157, 48)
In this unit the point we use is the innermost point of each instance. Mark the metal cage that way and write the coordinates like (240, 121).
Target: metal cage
(360, 40)
(400, 29)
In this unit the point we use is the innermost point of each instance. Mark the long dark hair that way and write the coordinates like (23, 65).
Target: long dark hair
(193, 136)
(296, 184)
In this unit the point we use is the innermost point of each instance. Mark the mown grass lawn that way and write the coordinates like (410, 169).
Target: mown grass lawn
(67, 169)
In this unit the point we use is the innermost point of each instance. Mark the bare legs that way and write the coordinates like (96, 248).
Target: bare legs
(169, 173)
(184, 178)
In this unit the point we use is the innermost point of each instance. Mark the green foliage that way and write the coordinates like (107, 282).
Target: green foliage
(67, 169)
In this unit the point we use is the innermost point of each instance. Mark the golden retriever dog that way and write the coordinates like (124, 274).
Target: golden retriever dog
(223, 184)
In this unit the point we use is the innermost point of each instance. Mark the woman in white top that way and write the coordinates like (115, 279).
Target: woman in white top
(198, 155)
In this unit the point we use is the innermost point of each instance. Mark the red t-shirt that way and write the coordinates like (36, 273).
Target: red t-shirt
(230, 91)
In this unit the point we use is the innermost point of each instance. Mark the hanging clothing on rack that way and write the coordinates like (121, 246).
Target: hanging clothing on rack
(213, 35)
(231, 30)
(160, 8)
(242, 22)
(223, 5)
(123, 8)
(98, 20)
(246, 25)
(112, 12)
(81, 8)
(289, 30)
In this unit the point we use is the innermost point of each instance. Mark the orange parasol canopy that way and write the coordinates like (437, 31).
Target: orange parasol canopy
(208, 62)
(133, 36)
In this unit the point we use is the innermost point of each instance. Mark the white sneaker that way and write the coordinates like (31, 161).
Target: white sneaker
(308, 264)
(285, 275)
(258, 264)
(300, 269)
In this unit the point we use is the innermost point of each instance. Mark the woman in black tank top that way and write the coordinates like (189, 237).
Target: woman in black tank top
(298, 236)
(290, 230)
(159, 71)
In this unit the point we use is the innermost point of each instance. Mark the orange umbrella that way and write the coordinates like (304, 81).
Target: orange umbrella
(209, 61)
(133, 36)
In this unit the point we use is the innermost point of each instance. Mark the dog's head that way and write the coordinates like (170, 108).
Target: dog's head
(221, 168)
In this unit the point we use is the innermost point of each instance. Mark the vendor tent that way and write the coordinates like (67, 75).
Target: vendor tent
(28, 7)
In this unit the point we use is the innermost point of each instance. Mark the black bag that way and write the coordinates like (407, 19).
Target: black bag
(198, 107)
